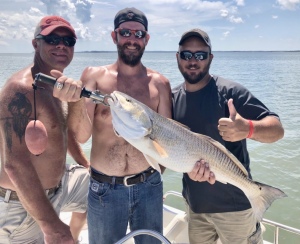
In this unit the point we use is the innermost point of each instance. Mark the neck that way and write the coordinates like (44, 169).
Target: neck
(199, 85)
(127, 70)
(39, 66)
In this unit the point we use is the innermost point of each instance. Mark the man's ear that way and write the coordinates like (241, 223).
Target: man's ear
(114, 36)
(147, 38)
(34, 44)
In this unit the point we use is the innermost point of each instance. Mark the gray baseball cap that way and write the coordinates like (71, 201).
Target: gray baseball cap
(198, 33)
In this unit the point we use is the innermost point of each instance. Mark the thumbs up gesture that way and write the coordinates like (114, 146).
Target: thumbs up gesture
(234, 128)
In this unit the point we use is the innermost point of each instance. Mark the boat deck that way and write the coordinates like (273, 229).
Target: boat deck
(175, 226)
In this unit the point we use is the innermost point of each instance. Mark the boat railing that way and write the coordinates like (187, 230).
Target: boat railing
(277, 226)
(144, 232)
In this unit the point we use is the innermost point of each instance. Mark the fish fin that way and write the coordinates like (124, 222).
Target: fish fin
(176, 122)
(159, 149)
(222, 181)
(153, 163)
(268, 194)
(227, 152)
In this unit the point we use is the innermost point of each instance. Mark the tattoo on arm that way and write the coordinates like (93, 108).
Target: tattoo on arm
(20, 109)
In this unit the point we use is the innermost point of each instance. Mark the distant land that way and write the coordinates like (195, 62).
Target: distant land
(176, 51)
(94, 51)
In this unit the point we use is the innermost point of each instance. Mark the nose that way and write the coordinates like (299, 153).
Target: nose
(61, 44)
(131, 37)
(193, 60)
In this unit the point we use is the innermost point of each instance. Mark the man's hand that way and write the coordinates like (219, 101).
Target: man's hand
(66, 89)
(61, 234)
(201, 172)
(234, 128)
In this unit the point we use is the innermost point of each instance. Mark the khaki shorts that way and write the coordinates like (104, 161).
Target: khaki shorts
(231, 227)
(16, 226)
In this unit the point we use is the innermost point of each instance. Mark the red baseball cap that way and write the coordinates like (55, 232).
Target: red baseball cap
(50, 23)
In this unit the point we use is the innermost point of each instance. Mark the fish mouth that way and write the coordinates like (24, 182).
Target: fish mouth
(112, 99)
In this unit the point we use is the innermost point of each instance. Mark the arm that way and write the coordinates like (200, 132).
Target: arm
(17, 163)
(34, 200)
(267, 130)
(236, 128)
(75, 150)
(81, 110)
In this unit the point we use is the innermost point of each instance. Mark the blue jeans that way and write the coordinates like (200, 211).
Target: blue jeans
(112, 206)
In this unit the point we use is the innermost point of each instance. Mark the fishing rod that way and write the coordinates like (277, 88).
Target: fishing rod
(95, 95)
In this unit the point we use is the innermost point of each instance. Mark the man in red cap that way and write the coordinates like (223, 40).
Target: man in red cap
(34, 189)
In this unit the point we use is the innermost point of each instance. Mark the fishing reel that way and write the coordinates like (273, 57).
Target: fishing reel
(96, 96)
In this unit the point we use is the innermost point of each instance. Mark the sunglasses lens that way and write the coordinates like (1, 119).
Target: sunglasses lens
(200, 55)
(52, 40)
(137, 33)
(69, 41)
(186, 55)
(140, 34)
(125, 32)
(55, 40)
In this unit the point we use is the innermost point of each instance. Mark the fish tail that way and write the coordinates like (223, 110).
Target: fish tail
(268, 194)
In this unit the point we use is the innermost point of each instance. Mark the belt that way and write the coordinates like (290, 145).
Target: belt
(9, 195)
(126, 180)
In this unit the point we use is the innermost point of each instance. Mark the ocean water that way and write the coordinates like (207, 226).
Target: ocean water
(274, 77)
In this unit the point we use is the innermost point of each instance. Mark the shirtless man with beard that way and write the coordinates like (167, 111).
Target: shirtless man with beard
(123, 187)
(113, 200)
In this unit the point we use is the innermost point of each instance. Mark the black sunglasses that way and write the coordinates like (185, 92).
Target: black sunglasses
(187, 55)
(127, 32)
(68, 41)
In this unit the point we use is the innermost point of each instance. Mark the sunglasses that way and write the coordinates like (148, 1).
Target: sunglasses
(127, 32)
(187, 55)
(68, 41)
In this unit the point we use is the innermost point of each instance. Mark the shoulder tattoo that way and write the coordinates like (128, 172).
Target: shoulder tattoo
(20, 109)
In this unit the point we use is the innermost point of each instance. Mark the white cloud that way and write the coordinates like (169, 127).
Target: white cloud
(168, 19)
(240, 2)
(224, 12)
(90, 17)
(226, 34)
(13, 26)
(289, 4)
(236, 20)
(35, 11)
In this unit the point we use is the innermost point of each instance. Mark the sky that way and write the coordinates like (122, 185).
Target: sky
(236, 25)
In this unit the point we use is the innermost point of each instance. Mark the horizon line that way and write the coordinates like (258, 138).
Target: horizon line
(153, 51)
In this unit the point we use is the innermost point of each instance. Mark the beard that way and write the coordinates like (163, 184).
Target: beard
(130, 59)
(194, 78)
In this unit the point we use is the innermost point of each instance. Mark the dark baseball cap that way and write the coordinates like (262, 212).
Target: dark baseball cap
(130, 14)
(198, 33)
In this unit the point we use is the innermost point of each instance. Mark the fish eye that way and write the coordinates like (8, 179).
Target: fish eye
(128, 100)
